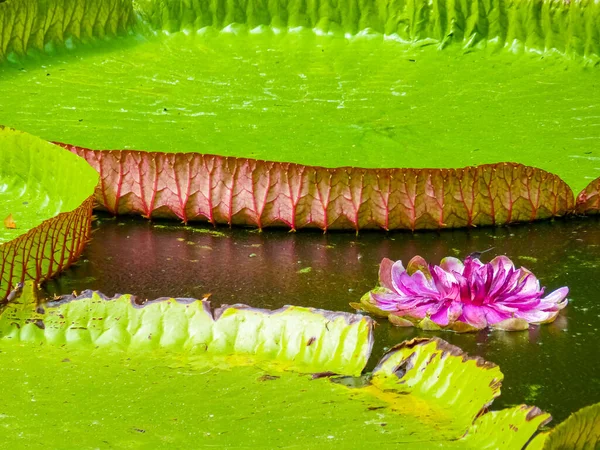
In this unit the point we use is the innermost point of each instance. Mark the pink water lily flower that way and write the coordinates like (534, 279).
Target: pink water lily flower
(463, 296)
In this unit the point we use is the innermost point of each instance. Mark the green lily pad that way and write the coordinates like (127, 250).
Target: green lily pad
(45, 203)
(305, 339)
(34, 27)
(168, 390)
(369, 85)
(581, 431)
(361, 102)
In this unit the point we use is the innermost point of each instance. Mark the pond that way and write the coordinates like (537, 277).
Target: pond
(240, 121)
(553, 366)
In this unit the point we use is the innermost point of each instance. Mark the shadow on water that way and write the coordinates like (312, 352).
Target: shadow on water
(555, 367)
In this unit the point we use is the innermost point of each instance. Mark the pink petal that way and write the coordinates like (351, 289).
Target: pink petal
(419, 312)
(471, 265)
(450, 264)
(455, 311)
(445, 282)
(518, 304)
(557, 296)
(441, 316)
(537, 316)
(494, 316)
(409, 303)
(529, 284)
(385, 273)
(474, 316)
(388, 301)
(502, 262)
(419, 284)
(545, 306)
(418, 264)
(397, 271)
(447, 313)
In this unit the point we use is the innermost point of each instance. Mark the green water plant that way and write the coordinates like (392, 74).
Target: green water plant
(46, 200)
(581, 431)
(303, 339)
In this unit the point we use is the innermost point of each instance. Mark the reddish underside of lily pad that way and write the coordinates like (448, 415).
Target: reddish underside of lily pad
(242, 191)
(588, 200)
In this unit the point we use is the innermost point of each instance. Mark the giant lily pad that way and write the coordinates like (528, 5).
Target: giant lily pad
(588, 200)
(32, 27)
(581, 431)
(46, 198)
(301, 338)
(411, 85)
(77, 357)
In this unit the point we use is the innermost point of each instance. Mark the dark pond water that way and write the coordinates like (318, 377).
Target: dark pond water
(556, 367)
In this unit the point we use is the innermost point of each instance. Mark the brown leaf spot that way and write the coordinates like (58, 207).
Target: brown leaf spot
(533, 413)
(268, 377)
(9, 222)
(316, 376)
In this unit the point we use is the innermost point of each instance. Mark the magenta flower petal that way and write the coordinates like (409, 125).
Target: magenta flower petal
(385, 273)
(536, 316)
(419, 312)
(493, 316)
(445, 282)
(396, 274)
(501, 262)
(450, 264)
(474, 316)
(455, 311)
(387, 301)
(472, 295)
(441, 316)
(418, 285)
(448, 313)
(557, 297)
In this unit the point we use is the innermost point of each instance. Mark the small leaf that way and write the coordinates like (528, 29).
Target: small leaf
(429, 325)
(400, 321)
(462, 327)
(514, 324)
